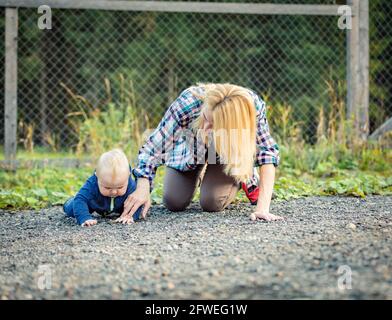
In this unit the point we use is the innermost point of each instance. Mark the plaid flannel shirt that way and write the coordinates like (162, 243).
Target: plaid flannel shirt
(172, 143)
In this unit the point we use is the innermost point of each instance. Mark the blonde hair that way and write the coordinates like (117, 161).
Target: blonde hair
(234, 127)
(113, 162)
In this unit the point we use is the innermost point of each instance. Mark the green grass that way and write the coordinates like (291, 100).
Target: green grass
(38, 188)
(40, 153)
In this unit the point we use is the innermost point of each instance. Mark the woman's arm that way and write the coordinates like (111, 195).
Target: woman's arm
(155, 151)
(151, 155)
(267, 179)
(160, 143)
(140, 197)
(267, 150)
(267, 158)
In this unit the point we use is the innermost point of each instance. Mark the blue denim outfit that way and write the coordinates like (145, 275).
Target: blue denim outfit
(89, 199)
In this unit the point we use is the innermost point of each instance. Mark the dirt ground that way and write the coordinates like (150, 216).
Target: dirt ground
(327, 248)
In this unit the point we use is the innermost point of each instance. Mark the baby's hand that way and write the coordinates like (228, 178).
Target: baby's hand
(89, 223)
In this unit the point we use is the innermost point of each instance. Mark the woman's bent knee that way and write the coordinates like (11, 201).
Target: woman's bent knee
(211, 204)
(173, 203)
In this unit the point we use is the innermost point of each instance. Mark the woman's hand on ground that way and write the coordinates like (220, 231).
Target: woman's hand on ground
(89, 223)
(264, 216)
(127, 219)
(140, 197)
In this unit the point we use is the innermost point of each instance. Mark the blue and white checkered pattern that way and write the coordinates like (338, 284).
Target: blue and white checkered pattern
(174, 144)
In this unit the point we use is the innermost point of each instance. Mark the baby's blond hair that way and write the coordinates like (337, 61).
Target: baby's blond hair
(113, 162)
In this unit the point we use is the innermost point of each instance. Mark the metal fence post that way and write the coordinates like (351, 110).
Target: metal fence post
(364, 69)
(352, 65)
(10, 87)
(358, 69)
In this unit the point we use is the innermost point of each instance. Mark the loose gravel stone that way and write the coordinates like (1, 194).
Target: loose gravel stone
(326, 248)
(351, 226)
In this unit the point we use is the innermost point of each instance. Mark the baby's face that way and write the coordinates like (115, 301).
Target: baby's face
(109, 187)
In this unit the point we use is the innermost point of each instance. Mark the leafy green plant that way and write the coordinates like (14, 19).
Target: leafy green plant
(39, 187)
(117, 123)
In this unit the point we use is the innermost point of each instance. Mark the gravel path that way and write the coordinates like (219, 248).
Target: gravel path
(199, 255)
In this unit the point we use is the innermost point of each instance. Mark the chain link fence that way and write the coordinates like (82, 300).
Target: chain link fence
(380, 34)
(288, 59)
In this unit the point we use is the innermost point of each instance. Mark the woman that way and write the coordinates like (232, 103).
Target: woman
(213, 135)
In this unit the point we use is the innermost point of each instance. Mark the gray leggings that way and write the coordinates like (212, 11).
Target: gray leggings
(217, 189)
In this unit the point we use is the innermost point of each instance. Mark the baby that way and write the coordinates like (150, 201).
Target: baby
(105, 191)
